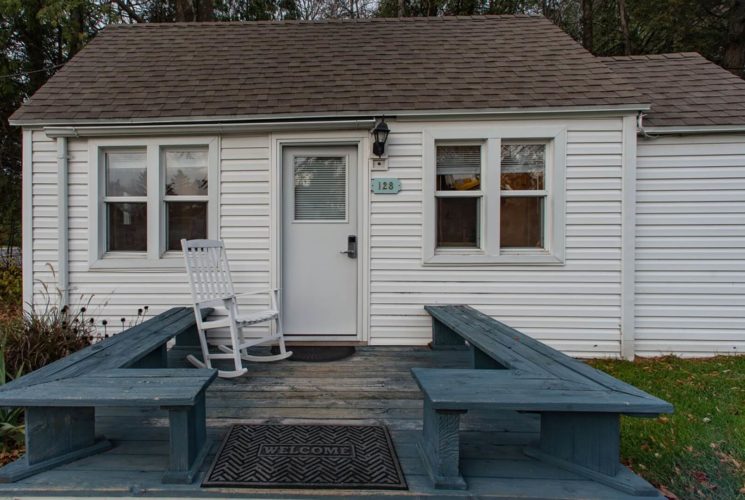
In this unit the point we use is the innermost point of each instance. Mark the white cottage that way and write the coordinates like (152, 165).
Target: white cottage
(596, 204)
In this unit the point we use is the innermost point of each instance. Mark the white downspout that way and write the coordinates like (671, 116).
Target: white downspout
(63, 238)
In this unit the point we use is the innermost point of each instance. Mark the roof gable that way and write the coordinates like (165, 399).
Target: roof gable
(176, 71)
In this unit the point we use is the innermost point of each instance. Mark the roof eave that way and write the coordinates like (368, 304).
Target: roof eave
(315, 117)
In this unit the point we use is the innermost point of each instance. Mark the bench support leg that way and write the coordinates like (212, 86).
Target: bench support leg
(155, 359)
(55, 436)
(439, 447)
(444, 339)
(484, 361)
(588, 444)
(188, 441)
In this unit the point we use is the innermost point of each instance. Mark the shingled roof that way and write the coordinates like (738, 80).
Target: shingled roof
(685, 89)
(146, 72)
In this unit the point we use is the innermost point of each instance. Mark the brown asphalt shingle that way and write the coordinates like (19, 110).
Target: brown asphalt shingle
(685, 89)
(208, 70)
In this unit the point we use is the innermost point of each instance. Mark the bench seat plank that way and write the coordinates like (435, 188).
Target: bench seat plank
(115, 390)
(464, 389)
(479, 337)
(549, 359)
(59, 369)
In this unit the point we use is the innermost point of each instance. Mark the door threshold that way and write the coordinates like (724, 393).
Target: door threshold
(301, 343)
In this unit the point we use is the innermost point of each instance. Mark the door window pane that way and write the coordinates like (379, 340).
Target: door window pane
(185, 220)
(458, 168)
(127, 227)
(320, 188)
(458, 222)
(523, 167)
(126, 173)
(186, 172)
(522, 222)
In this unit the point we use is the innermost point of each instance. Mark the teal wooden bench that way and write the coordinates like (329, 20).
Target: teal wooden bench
(580, 406)
(125, 370)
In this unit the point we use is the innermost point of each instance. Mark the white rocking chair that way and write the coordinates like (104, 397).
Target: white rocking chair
(211, 286)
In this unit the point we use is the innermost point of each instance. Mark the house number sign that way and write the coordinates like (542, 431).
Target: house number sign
(386, 186)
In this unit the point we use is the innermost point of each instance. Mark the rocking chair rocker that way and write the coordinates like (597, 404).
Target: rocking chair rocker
(211, 286)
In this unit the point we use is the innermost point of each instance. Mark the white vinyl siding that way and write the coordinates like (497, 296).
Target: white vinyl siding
(118, 293)
(690, 245)
(575, 307)
(43, 217)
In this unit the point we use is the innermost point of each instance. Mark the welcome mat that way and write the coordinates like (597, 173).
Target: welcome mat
(307, 456)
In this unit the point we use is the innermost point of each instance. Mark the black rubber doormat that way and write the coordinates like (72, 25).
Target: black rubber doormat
(307, 456)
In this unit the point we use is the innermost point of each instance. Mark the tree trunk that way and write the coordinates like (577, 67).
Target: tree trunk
(184, 11)
(205, 10)
(734, 50)
(624, 22)
(32, 37)
(400, 8)
(587, 19)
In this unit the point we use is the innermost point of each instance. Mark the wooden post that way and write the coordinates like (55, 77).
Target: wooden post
(188, 441)
(55, 436)
(443, 338)
(439, 447)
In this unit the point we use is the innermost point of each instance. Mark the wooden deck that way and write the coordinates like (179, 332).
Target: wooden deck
(373, 386)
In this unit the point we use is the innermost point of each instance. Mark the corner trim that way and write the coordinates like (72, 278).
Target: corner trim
(27, 219)
(628, 240)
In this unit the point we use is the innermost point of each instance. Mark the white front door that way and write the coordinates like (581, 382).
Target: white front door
(319, 241)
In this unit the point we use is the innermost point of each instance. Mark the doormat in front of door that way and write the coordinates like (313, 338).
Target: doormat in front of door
(307, 456)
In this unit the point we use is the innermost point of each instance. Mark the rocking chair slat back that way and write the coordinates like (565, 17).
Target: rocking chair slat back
(209, 278)
(208, 270)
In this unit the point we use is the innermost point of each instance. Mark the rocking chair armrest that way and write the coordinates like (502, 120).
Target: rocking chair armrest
(258, 292)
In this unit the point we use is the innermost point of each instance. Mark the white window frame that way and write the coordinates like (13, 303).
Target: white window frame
(489, 252)
(156, 257)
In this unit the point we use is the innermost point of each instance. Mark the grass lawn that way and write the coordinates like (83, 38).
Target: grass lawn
(699, 451)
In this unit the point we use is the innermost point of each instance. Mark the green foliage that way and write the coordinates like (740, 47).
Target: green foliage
(10, 286)
(699, 451)
(39, 337)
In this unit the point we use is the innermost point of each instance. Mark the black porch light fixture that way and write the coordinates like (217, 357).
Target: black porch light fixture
(380, 132)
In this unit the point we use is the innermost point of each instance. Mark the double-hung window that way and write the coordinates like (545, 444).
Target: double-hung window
(151, 193)
(494, 195)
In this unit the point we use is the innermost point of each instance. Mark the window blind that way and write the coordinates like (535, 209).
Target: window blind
(458, 160)
(320, 188)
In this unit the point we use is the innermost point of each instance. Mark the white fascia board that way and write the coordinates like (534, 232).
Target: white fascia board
(312, 119)
(696, 129)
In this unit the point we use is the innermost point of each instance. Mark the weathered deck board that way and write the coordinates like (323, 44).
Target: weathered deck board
(374, 386)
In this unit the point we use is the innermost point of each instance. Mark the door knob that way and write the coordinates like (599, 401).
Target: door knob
(351, 250)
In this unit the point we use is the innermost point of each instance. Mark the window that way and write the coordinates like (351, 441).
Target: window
(458, 195)
(320, 184)
(126, 201)
(523, 196)
(494, 195)
(186, 195)
(152, 193)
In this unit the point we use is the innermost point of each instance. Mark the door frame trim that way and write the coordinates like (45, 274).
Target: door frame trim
(360, 140)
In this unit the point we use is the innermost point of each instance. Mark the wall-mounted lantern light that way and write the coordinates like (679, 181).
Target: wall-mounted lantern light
(380, 132)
